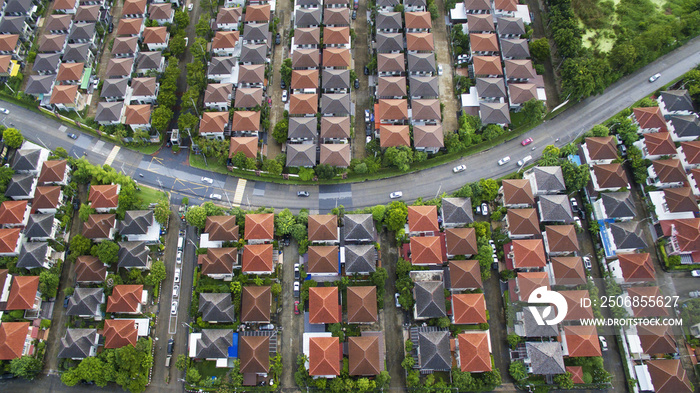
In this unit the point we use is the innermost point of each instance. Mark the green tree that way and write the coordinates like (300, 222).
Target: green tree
(181, 19)
(489, 189)
(306, 174)
(181, 362)
(80, 245)
(378, 213)
(284, 222)
(187, 121)
(533, 110)
(584, 76)
(383, 379)
(161, 118)
(156, 275)
(623, 57)
(279, 132)
(575, 177)
(539, 49)
(399, 157)
(177, 44)
(199, 49)
(286, 71)
(106, 251)
(13, 138)
(196, 216)
(162, 211)
(408, 362)
(325, 171)
(26, 367)
(513, 339)
(203, 28)
(600, 130)
(48, 283)
(272, 166)
(564, 381)
(517, 370)
(395, 217)
(85, 212)
(276, 289)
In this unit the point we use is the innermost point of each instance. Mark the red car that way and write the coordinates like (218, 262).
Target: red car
(526, 141)
(296, 307)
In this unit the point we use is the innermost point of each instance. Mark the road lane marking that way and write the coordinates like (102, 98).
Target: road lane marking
(112, 155)
(240, 188)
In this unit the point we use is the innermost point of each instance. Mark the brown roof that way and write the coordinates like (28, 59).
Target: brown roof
(8, 42)
(568, 271)
(528, 254)
(8, 239)
(125, 45)
(506, 5)
(575, 311)
(392, 110)
(669, 376)
(659, 143)
(461, 241)
(221, 228)
(257, 13)
(225, 39)
(218, 92)
(130, 26)
(257, 258)
(53, 171)
(259, 226)
(64, 94)
(336, 57)
(420, 42)
(656, 339)
(576, 373)
(691, 150)
(65, 4)
(251, 73)
(465, 274)
(52, 43)
(394, 136)
(610, 176)
(5, 63)
(651, 310)
(89, 269)
(469, 308)
(229, 15)
(133, 7)
(325, 355)
(303, 104)
(335, 127)
(125, 298)
(529, 281)
(637, 267)
(601, 148)
(22, 293)
(307, 36)
(390, 62)
(218, 260)
(245, 121)
(686, 232)
(255, 303)
(483, 42)
(426, 109)
(487, 65)
(246, 144)
(213, 122)
(119, 67)
(422, 219)
(254, 354)
(523, 222)
(517, 192)
(46, 197)
(304, 79)
(521, 93)
(391, 86)
(248, 97)
(474, 351)
(160, 11)
(418, 20)
(582, 341)
(335, 154)
(363, 355)
(98, 226)
(12, 212)
(669, 171)
(426, 250)
(323, 259)
(137, 114)
(323, 305)
(323, 227)
(336, 35)
(306, 58)
(650, 117)
(70, 72)
(104, 196)
(680, 199)
(561, 238)
(428, 136)
(12, 338)
(519, 69)
(362, 304)
(120, 333)
(480, 22)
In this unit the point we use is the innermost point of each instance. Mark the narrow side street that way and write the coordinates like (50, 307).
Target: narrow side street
(361, 96)
(392, 317)
(497, 325)
(274, 92)
(444, 58)
(290, 338)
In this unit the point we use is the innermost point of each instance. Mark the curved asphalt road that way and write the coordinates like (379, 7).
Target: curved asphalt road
(163, 171)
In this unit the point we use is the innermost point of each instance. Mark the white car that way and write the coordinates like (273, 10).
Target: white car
(577, 221)
(190, 6)
(587, 263)
(654, 77)
(439, 69)
(525, 160)
(396, 195)
(173, 308)
(368, 139)
(284, 95)
(504, 160)
(396, 297)
(485, 209)
(695, 273)
(207, 180)
(603, 343)
(178, 260)
(460, 168)
(694, 294)
(5, 111)
(215, 196)
(366, 115)
(176, 290)
(177, 275)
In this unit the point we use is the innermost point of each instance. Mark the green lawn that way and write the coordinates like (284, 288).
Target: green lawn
(197, 161)
(208, 369)
(149, 195)
(148, 149)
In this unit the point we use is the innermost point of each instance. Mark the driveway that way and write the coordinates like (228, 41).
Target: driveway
(105, 54)
(392, 317)
(290, 338)
(444, 58)
(497, 325)
(274, 91)
(361, 97)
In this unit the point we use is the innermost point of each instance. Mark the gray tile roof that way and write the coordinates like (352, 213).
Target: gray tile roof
(434, 350)
(47, 62)
(18, 6)
(26, 160)
(302, 127)
(491, 87)
(387, 3)
(686, 126)
(77, 343)
(40, 84)
(494, 113)
(510, 25)
(628, 235)
(39, 226)
(430, 299)
(306, 17)
(214, 343)
(421, 62)
(546, 358)
(149, 60)
(33, 255)
(677, 101)
(133, 254)
(618, 204)
(85, 301)
(389, 21)
(335, 79)
(548, 178)
(301, 155)
(81, 31)
(337, 104)
(534, 329)
(136, 222)
(515, 48)
(424, 86)
(11, 24)
(457, 211)
(254, 54)
(216, 307)
(109, 111)
(360, 258)
(555, 208)
(221, 65)
(358, 227)
(20, 186)
(76, 53)
(256, 32)
(415, 3)
(115, 88)
(390, 42)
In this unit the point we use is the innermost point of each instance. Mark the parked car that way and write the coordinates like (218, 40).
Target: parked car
(527, 141)
(110, 28)
(587, 263)
(577, 221)
(396, 195)
(178, 259)
(695, 273)
(207, 180)
(525, 160)
(267, 326)
(176, 290)
(396, 298)
(296, 271)
(357, 83)
(439, 69)
(302, 193)
(354, 14)
(278, 39)
(603, 343)
(694, 294)
(366, 70)
(654, 77)
(285, 95)
(72, 136)
(574, 204)
(367, 117)
(171, 344)
(296, 288)
(173, 307)
(282, 84)
(296, 307)
(485, 209)
(459, 168)
(190, 7)
(215, 196)
(494, 266)
(177, 275)
(356, 4)
(65, 302)
(504, 160)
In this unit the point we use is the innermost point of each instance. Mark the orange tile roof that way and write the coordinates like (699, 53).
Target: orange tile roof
(363, 355)
(523, 222)
(257, 258)
(670, 171)
(474, 351)
(129, 26)
(104, 196)
(576, 373)
(335, 127)
(394, 136)
(638, 294)
(64, 94)
(465, 274)
(8, 42)
(323, 227)
(225, 39)
(575, 310)
(257, 13)
(323, 305)
(125, 298)
(561, 238)
(22, 293)
(246, 144)
(582, 341)
(304, 79)
(8, 239)
(420, 42)
(120, 333)
(529, 281)
(686, 232)
(517, 192)
(213, 122)
(12, 338)
(418, 20)
(426, 250)
(392, 110)
(507, 5)
(325, 356)
(12, 212)
(303, 104)
(336, 57)
(254, 354)
(657, 339)
(134, 7)
(137, 114)
(259, 226)
(245, 121)
(255, 303)
(335, 154)
(568, 271)
(46, 197)
(362, 304)
(323, 259)
(70, 72)
(99, 226)
(601, 148)
(659, 143)
(691, 150)
(637, 267)
(422, 219)
(221, 228)
(650, 117)
(461, 241)
(469, 308)
(610, 176)
(336, 35)
(484, 42)
(218, 260)
(487, 65)
(53, 171)
(669, 376)
(528, 254)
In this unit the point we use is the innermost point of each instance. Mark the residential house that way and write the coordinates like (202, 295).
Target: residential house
(362, 304)
(218, 263)
(16, 340)
(618, 206)
(335, 129)
(115, 90)
(546, 180)
(255, 304)
(689, 154)
(456, 212)
(633, 269)
(161, 13)
(86, 303)
(120, 333)
(325, 356)
(134, 255)
(430, 300)
(66, 98)
(109, 113)
(527, 254)
(465, 275)
(684, 128)
(228, 19)
(156, 38)
(39, 86)
(600, 150)
(545, 358)
(580, 341)
(608, 177)
(35, 255)
(649, 119)
(358, 228)
(24, 295)
(527, 282)
(323, 261)
(134, 9)
(144, 90)
(626, 237)
(469, 309)
(125, 47)
(555, 208)
(225, 43)
(522, 223)
(216, 307)
(79, 344)
(21, 186)
(365, 354)
(517, 193)
(149, 62)
(14, 214)
(100, 227)
(130, 27)
(427, 250)
(301, 155)
(494, 113)
(566, 271)
(324, 305)
(41, 227)
(474, 349)
(104, 198)
(90, 270)
(221, 69)
(47, 200)
(246, 98)
(219, 229)
(433, 350)
(359, 258)
(119, 68)
(258, 259)
(138, 117)
(560, 240)
(127, 299)
(675, 102)
(666, 173)
(52, 43)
